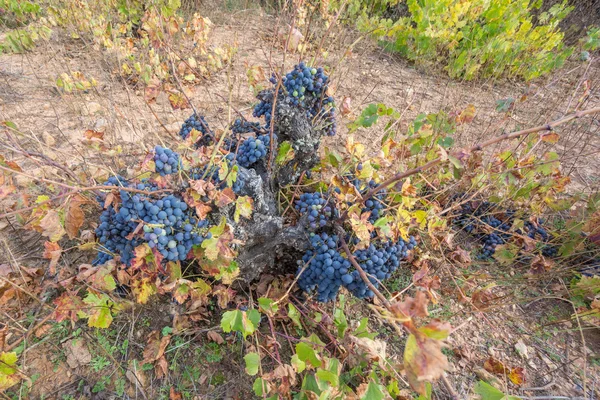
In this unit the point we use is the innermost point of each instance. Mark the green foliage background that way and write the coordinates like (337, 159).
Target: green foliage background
(469, 38)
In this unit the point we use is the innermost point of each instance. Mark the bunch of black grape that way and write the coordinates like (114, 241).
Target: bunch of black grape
(591, 269)
(374, 205)
(305, 87)
(169, 225)
(535, 231)
(264, 108)
(317, 209)
(252, 150)
(327, 115)
(166, 161)
(113, 230)
(198, 123)
(476, 218)
(239, 126)
(323, 268)
(303, 80)
(378, 261)
(326, 269)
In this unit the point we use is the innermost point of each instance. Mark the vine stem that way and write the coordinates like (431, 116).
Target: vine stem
(279, 82)
(511, 135)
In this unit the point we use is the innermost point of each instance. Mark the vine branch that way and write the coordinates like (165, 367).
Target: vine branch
(511, 135)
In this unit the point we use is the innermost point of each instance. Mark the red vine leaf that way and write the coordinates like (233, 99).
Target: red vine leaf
(67, 307)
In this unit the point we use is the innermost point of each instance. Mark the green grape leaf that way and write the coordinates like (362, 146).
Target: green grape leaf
(285, 153)
(268, 306)
(373, 392)
(307, 354)
(294, 315)
(252, 362)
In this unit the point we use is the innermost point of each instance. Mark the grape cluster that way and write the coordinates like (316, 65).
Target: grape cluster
(244, 126)
(263, 108)
(378, 261)
(591, 269)
(303, 80)
(169, 226)
(252, 150)
(304, 87)
(198, 123)
(166, 161)
(536, 230)
(327, 115)
(317, 209)
(324, 268)
(374, 205)
(476, 218)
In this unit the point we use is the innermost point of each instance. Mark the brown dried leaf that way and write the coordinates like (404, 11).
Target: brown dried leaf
(152, 91)
(52, 252)
(411, 307)
(215, 337)
(423, 361)
(51, 226)
(93, 135)
(345, 107)
(551, 137)
(263, 284)
(482, 298)
(3, 333)
(225, 197)
(467, 115)
(41, 331)
(285, 374)
(74, 216)
(375, 350)
(155, 348)
(224, 295)
(540, 265)
(517, 376)
(461, 256)
(494, 366)
(174, 395)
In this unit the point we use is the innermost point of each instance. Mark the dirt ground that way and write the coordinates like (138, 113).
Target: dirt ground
(558, 360)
